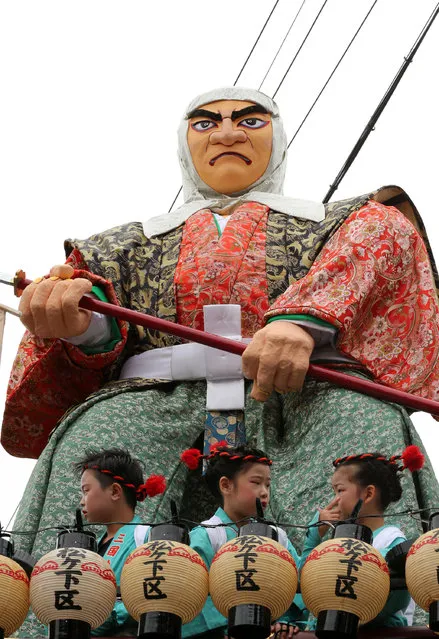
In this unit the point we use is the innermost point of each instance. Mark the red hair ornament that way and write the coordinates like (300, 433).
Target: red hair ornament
(412, 458)
(154, 485)
(191, 456)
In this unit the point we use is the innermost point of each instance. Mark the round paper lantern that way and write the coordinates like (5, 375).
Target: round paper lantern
(72, 587)
(421, 573)
(164, 584)
(14, 595)
(344, 582)
(252, 571)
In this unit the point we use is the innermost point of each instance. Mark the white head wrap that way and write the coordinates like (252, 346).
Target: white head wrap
(267, 190)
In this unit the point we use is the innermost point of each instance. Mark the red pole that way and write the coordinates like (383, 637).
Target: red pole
(215, 341)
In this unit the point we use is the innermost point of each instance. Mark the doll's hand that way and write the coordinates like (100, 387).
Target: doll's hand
(49, 306)
(283, 630)
(277, 358)
(331, 512)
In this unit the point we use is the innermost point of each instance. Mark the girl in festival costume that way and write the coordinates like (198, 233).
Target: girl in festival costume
(375, 479)
(236, 477)
(111, 485)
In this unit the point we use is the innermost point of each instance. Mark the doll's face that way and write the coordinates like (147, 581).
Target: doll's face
(230, 142)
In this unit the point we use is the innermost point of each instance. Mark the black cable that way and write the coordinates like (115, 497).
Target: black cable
(300, 48)
(256, 42)
(381, 106)
(238, 76)
(282, 44)
(409, 513)
(332, 73)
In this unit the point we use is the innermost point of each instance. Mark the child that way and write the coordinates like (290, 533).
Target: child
(236, 477)
(374, 479)
(111, 485)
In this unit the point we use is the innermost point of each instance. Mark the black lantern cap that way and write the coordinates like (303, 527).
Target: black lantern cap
(78, 538)
(174, 531)
(69, 629)
(170, 532)
(25, 560)
(69, 539)
(356, 531)
(159, 625)
(433, 614)
(6, 546)
(396, 558)
(434, 521)
(249, 620)
(259, 527)
(334, 624)
(350, 527)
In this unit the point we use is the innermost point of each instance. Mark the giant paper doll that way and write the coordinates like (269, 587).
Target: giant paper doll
(350, 284)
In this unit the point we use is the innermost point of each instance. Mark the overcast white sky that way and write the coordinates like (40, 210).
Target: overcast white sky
(93, 91)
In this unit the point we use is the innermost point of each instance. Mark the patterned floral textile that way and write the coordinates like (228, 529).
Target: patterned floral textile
(226, 426)
(373, 281)
(224, 270)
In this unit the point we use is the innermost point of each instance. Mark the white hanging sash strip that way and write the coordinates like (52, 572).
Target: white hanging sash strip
(223, 371)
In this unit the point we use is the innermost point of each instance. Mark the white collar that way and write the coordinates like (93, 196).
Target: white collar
(304, 209)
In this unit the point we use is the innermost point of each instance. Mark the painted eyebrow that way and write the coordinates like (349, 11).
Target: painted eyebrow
(255, 108)
(198, 113)
(217, 117)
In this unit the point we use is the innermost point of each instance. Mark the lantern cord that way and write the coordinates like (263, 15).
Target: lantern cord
(299, 49)
(78, 518)
(331, 74)
(174, 512)
(370, 126)
(70, 528)
(281, 44)
(354, 514)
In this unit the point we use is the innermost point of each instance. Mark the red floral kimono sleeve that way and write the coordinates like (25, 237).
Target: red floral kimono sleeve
(49, 376)
(373, 281)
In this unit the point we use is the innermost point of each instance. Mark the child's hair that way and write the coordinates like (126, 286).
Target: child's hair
(223, 461)
(377, 470)
(118, 465)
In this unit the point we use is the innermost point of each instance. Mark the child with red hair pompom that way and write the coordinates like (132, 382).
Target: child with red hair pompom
(375, 479)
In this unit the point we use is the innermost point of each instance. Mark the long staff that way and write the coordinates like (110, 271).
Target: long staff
(320, 373)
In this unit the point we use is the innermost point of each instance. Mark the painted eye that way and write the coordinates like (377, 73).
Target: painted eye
(253, 123)
(203, 125)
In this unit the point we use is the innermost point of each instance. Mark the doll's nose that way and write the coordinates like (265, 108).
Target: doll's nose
(226, 134)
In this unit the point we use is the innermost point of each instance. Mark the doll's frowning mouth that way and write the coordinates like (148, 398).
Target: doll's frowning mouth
(238, 155)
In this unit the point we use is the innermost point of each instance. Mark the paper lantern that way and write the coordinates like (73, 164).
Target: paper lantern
(164, 584)
(74, 585)
(14, 596)
(422, 574)
(344, 582)
(255, 571)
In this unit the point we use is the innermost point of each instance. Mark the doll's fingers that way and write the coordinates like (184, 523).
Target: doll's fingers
(63, 271)
(38, 306)
(251, 355)
(259, 394)
(24, 306)
(64, 318)
(76, 320)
